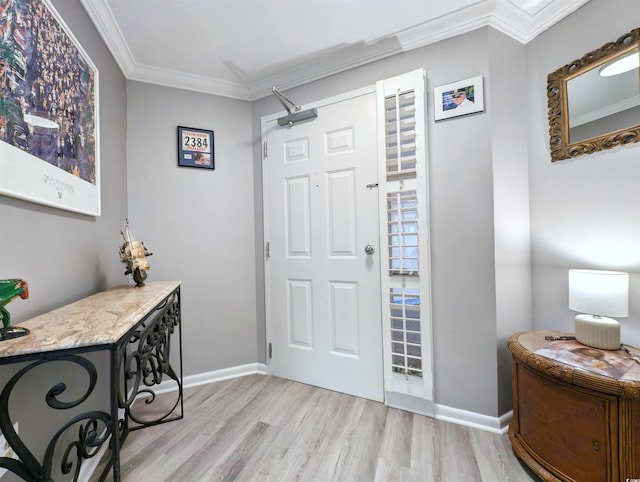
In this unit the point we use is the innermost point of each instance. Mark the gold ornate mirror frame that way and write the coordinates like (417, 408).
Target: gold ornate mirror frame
(557, 95)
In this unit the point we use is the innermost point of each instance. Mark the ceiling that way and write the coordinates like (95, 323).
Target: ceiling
(241, 48)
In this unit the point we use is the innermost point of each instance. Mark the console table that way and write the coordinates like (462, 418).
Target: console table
(576, 410)
(134, 326)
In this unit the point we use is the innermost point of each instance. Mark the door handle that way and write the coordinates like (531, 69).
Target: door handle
(369, 249)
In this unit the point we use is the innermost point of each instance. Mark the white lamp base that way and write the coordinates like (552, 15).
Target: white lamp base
(598, 332)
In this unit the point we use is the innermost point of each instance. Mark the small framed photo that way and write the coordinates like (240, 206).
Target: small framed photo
(195, 148)
(458, 98)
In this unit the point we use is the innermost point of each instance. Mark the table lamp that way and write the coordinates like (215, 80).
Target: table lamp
(596, 295)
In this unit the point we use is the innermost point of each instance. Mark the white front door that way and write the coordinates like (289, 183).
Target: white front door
(321, 217)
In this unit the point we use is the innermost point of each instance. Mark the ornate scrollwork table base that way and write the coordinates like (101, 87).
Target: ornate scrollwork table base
(136, 327)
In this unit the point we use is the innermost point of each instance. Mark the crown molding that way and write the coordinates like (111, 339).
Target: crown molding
(185, 81)
(318, 68)
(462, 21)
(105, 23)
(517, 23)
(522, 22)
(456, 23)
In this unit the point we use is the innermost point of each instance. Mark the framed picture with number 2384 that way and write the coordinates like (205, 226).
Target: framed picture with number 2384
(195, 148)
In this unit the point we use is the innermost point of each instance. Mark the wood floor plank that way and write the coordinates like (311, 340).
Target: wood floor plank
(359, 453)
(454, 456)
(262, 428)
(396, 441)
(387, 470)
(329, 457)
(236, 429)
(423, 446)
(495, 457)
(318, 425)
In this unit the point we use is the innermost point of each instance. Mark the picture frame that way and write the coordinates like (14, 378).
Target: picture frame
(195, 148)
(49, 133)
(458, 98)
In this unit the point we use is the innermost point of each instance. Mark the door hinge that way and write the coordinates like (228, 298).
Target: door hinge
(264, 149)
(267, 250)
(270, 351)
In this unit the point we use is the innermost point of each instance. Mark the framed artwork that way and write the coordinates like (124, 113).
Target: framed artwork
(458, 98)
(49, 149)
(195, 148)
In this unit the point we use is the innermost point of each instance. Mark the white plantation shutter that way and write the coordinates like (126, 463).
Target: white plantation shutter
(400, 135)
(405, 260)
(406, 331)
(402, 233)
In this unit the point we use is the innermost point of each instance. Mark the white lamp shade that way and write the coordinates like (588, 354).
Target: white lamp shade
(604, 293)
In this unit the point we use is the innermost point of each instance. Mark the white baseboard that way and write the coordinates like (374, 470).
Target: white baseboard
(420, 406)
(214, 376)
(499, 425)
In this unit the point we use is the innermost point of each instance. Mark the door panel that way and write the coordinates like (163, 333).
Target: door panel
(342, 214)
(298, 229)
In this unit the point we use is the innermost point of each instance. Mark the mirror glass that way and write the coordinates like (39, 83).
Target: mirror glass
(594, 102)
(599, 104)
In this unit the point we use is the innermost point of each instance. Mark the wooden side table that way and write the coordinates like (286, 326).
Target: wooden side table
(576, 410)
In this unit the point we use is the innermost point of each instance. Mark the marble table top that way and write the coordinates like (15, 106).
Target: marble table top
(99, 319)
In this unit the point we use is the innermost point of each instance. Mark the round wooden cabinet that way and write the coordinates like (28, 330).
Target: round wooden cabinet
(576, 409)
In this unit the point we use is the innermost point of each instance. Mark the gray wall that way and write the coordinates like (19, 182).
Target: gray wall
(205, 227)
(585, 212)
(510, 200)
(199, 223)
(466, 293)
(66, 256)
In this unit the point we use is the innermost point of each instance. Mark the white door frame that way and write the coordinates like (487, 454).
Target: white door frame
(265, 208)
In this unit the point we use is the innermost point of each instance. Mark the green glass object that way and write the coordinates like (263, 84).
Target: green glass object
(9, 290)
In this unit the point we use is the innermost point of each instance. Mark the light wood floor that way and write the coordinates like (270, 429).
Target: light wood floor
(262, 428)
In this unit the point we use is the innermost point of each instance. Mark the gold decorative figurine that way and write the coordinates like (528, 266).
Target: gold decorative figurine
(133, 254)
